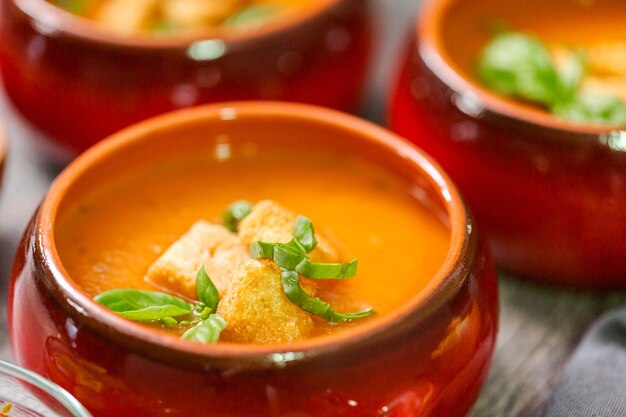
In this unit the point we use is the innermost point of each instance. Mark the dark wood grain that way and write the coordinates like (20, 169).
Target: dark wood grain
(540, 326)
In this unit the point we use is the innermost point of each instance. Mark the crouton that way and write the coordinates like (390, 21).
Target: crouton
(125, 17)
(608, 86)
(198, 13)
(270, 222)
(608, 59)
(212, 245)
(258, 311)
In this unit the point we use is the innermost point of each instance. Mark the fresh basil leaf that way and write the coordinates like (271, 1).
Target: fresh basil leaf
(304, 234)
(593, 108)
(287, 256)
(206, 331)
(169, 321)
(262, 250)
(140, 305)
(295, 294)
(235, 213)
(205, 313)
(206, 290)
(571, 74)
(327, 271)
(254, 15)
(153, 313)
(77, 7)
(518, 65)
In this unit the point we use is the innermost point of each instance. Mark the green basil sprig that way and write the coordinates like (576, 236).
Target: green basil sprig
(304, 234)
(520, 66)
(290, 258)
(206, 290)
(293, 261)
(295, 294)
(251, 16)
(150, 306)
(207, 330)
(78, 7)
(140, 305)
(327, 271)
(235, 213)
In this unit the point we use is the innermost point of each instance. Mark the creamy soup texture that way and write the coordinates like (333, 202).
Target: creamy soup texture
(111, 237)
(182, 17)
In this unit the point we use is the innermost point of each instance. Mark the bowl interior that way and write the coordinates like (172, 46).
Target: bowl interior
(454, 32)
(230, 132)
(52, 16)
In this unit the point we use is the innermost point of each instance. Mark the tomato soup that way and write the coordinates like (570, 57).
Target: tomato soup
(111, 236)
(470, 24)
(182, 17)
(565, 57)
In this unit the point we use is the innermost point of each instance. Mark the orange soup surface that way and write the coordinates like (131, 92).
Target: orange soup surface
(110, 237)
(182, 17)
(583, 77)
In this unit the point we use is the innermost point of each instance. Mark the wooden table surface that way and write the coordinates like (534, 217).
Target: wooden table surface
(539, 326)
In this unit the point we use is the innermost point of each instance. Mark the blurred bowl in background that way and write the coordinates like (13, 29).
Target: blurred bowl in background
(78, 83)
(550, 194)
(31, 395)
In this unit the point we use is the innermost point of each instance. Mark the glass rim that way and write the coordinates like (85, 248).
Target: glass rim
(64, 398)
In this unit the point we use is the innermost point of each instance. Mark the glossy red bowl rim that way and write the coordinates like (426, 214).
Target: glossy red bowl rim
(428, 29)
(48, 18)
(443, 286)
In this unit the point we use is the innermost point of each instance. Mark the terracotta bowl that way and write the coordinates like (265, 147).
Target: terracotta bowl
(550, 194)
(79, 84)
(428, 357)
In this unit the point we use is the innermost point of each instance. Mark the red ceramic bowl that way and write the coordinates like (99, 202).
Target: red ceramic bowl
(79, 84)
(551, 195)
(429, 357)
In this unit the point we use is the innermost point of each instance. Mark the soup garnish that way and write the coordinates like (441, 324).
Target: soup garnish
(145, 235)
(235, 213)
(152, 306)
(172, 17)
(292, 259)
(560, 79)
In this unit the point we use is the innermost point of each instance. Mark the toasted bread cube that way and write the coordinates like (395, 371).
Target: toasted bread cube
(212, 245)
(608, 86)
(197, 13)
(258, 311)
(607, 59)
(270, 222)
(124, 16)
